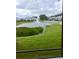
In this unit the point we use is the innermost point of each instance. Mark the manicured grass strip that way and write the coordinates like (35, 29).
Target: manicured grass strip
(21, 22)
(17, 23)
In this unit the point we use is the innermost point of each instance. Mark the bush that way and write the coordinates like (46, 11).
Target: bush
(23, 31)
(25, 20)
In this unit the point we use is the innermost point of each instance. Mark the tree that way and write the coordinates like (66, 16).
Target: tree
(43, 17)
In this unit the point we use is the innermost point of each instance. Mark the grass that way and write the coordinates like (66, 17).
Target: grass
(23, 21)
(51, 38)
(17, 23)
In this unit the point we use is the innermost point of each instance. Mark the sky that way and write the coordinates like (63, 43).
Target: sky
(27, 8)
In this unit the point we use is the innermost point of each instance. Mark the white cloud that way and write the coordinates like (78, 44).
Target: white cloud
(36, 7)
(50, 9)
(41, 9)
(23, 12)
(58, 7)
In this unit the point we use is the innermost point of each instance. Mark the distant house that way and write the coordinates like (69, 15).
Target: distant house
(34, 18)
(57, 17)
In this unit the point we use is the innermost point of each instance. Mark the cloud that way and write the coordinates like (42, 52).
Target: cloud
(23, 11)
(37, 7)
(50, 9)
(59, 6)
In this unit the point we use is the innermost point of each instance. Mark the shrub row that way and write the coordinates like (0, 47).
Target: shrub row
(23, 31)
(25, 20)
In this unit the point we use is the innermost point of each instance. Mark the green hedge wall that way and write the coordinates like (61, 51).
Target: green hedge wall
(23, 31)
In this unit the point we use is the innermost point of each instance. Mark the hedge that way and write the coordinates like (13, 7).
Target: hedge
(23, 31)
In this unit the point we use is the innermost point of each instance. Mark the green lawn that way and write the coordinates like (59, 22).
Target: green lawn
(51, 38)
(17, 23)
(21, 22)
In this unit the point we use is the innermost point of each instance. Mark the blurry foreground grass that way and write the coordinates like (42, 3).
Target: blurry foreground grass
(51, 38)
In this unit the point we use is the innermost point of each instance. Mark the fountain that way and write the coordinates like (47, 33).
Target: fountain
(41, 24)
